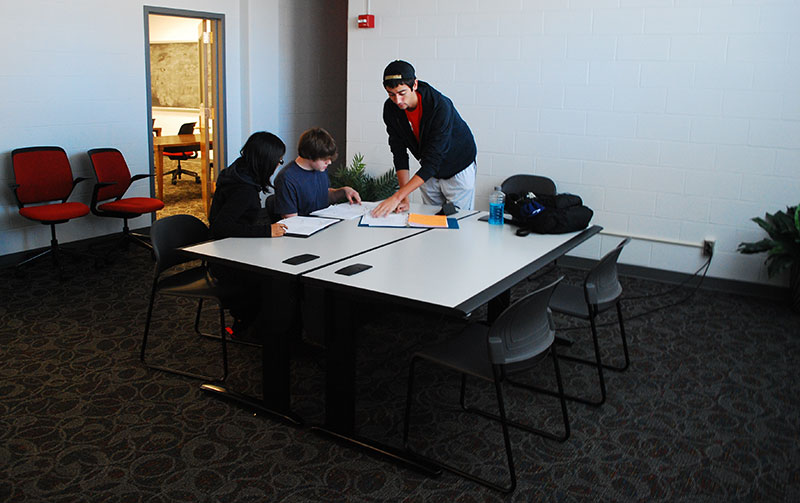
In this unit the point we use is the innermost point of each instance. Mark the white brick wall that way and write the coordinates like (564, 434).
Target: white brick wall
(673, 119)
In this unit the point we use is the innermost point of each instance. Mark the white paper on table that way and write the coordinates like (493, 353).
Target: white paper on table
(346, 211)
(306, 226)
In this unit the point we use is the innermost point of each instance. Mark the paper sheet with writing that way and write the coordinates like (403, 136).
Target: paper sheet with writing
(390, 220)
(306, 226)
(346, 211)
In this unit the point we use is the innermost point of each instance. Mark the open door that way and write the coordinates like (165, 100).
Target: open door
(185, 80)
(211, 108)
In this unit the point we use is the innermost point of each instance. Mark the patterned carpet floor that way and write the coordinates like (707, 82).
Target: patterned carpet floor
(708, 410)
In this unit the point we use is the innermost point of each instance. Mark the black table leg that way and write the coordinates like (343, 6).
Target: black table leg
(278, 324)
(340, 388)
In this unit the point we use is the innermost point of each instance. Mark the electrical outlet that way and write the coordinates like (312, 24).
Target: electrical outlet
(708, 247)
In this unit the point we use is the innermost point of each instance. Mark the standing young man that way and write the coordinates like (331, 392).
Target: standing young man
(423, 121)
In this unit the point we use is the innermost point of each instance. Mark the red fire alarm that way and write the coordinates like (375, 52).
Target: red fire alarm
(366, 21)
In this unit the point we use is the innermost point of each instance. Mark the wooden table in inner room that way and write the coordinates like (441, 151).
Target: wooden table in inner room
(190, 141)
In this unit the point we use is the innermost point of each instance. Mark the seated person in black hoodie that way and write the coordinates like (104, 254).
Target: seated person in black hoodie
(236, 211)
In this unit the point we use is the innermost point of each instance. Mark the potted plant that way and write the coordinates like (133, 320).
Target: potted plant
(369, 188)
(782, 246)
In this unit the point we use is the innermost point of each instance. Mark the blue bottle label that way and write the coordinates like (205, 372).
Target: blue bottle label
(496, 213)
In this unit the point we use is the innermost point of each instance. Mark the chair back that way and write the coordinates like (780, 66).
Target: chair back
(187, 128)
(41, 174)
(524, 329)
(522, 184)
(601, 286)
(173, 232)
(110, 167)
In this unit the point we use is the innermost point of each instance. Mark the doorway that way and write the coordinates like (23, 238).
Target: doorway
(185, 82)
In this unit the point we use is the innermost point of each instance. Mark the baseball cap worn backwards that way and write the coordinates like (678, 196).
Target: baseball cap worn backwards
(398, 70)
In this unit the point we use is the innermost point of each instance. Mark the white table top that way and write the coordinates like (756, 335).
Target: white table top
(454, 269)
(337, 242)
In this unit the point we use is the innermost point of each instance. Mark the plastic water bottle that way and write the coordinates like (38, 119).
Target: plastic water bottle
(496, 206)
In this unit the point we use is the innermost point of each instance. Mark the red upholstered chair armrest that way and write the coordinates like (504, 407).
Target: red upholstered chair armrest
(96, 191)
(75, 182)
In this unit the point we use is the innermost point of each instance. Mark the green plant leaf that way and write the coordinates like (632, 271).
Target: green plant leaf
(356, 176)
(783, 244)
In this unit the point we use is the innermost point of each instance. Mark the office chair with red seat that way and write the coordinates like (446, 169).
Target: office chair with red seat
(181, 154)
(44, 175)
(113, 180)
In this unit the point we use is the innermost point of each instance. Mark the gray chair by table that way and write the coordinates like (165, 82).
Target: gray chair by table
(522, 184)
(168, 235)
(600, 291)
(516, 341)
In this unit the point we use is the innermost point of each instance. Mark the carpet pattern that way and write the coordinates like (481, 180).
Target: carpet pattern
(708, 410)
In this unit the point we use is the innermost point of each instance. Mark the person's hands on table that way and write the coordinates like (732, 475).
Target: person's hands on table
(278, 230)
(389, 205)
(352, 195)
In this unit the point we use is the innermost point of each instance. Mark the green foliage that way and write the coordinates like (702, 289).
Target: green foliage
(356, 176)
(783, 244)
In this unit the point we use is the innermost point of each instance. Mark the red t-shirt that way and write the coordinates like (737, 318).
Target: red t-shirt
(414, 116)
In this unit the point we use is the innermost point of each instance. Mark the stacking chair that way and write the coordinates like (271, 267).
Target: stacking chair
(519, 338)
(168, 235)
(43, 175)
(181, 154)
(522, 184)
(600, 292)
(113, 180)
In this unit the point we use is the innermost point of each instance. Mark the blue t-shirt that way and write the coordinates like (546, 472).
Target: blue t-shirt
(300, 191)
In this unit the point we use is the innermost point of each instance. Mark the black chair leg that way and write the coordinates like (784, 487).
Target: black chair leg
(598, 364)
(457, 471)
(520, 426)
(183, 372)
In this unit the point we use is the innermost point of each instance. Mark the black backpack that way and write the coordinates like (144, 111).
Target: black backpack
(556, 214)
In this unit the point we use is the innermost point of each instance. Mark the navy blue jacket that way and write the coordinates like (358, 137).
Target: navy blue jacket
(445, 146)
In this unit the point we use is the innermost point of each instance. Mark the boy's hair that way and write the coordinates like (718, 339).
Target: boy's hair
(315, 144)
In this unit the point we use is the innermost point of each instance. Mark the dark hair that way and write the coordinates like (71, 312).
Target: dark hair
(261, 154)
(315, 144)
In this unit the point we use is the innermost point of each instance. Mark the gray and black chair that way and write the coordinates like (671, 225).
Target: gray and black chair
(601, 291)
(168, 235)
(516, 341)
(522, 184)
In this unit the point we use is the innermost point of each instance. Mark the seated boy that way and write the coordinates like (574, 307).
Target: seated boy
(303, 186)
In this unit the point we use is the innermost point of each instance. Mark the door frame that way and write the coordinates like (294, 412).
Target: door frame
(220, 124)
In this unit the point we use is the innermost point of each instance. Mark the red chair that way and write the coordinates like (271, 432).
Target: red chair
(43, 175)
(113, 180)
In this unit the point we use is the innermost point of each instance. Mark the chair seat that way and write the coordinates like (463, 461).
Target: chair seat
(569, 300)
(195, 283)
(133, 205)
(57, 212)
(465, 353)
(183, 155)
